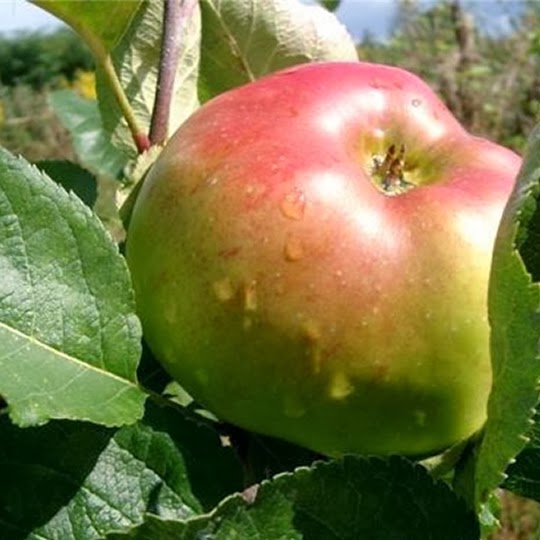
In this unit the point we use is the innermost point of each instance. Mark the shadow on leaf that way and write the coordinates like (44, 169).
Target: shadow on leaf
(42, 469)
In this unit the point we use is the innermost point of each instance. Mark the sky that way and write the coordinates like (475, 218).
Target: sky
(21, 15)
(373, 14)
(358, 15)
(377, 16)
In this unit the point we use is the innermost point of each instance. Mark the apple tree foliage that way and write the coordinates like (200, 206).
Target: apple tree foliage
(95, 442)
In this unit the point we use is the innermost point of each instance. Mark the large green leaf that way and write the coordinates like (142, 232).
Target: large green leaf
(514, 312)
(350, 499)
(92, 144)
(243, 40)
(100, 23)
(137, 59)
(69, 336)
(78, 481)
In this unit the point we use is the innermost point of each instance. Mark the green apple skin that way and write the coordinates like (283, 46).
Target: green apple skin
(292, 294)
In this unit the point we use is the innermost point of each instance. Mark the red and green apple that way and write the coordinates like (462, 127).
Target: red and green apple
(311, 255)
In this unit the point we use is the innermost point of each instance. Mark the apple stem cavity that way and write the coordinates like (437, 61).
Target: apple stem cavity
(388, 172)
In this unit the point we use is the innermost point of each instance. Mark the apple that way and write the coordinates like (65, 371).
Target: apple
(311, 255)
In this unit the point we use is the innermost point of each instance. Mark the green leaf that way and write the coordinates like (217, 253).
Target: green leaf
(514, 311)
(73, 480)
(350, 499)
(137, 58)
(82, 119)
(523, 475)
(100, 23)
(242, 40)
(69, 336)
(330, 5)
(353, 498)
(71, 177)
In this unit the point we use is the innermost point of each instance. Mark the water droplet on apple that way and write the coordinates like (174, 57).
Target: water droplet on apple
(311, 330)
(293, 205)
(293, 407)
(280, 286)
(339, 274)
(250, 296)
(202, 376)
(340, 386)
(420, 417)
(170, 312)
(376, 84)
(316, 357)
(416, 103)
(312, 334)
(294, 249)
(223, 289)
(381, 371)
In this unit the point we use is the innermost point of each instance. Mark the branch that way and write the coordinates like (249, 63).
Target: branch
(177, 12)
